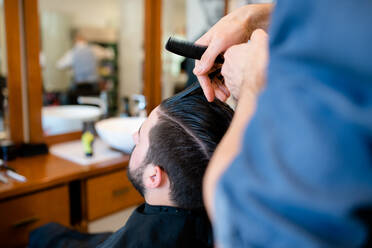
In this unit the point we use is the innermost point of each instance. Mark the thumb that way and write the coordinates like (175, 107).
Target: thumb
(259, 35)
(208, 58)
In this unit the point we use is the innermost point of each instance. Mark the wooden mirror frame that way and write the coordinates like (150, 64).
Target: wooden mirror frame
(153, 63)
(24, 73)
(14, 77)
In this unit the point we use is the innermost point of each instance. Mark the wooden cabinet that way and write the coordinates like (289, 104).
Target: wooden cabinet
(60, 191)
(109, 193)
(20, 215)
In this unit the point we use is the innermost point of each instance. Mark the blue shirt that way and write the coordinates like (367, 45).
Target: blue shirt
(303, 177)
(84, 64)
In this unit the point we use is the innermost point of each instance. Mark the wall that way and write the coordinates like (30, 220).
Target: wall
(131, 45)
(95, 13)
(55, 40)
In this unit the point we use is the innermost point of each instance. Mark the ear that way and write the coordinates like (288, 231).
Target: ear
(153, 177)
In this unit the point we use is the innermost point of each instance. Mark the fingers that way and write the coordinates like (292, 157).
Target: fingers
(202, 68)
(207, 87)
(219, 93)
(215, 88)
(204, 40)
(220, 89)
(259, 35)
(209, 56)
(225, 90)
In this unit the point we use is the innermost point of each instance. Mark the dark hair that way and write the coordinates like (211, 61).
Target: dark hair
(183, 141)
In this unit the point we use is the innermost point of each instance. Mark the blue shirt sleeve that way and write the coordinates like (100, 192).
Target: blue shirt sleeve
(304, 172)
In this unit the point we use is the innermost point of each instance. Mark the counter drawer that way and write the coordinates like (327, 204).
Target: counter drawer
(20, 215)
(109, 193)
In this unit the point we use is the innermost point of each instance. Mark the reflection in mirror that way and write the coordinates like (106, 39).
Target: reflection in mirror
(91, 54)
(3, 77)
(185, 19)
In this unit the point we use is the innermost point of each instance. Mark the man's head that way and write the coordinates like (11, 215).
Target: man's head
(173, 148)
(78, 36)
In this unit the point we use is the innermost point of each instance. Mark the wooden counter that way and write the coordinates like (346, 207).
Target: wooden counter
(61, 191)
(49, 170)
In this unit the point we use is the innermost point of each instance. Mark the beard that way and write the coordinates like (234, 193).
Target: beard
(135, 177)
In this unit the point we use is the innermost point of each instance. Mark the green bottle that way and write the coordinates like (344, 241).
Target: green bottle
(87, 138)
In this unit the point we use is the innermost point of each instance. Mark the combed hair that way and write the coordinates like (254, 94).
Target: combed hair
(183, 141)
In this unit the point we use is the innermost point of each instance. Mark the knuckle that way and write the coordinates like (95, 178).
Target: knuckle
(223, 70)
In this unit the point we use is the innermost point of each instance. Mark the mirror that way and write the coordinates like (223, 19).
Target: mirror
(3, 77)
(91, 54)
(184, 19)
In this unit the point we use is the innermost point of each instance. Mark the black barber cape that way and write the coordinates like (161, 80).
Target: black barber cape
(160, 226)
(54, 235)
(148, 226)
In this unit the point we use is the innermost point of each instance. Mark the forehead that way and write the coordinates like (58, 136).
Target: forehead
(150, 122)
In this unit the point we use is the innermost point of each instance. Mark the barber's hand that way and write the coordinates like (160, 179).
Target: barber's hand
(232, 29)
(245, 65)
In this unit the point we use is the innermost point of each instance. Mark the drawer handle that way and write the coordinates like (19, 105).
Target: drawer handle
(26, 222)
(120, 191)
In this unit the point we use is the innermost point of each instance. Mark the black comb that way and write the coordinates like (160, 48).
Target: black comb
(189, 50)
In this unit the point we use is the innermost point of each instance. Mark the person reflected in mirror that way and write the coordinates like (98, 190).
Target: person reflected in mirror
(83, 60)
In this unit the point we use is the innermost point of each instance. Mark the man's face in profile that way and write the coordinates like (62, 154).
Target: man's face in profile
(137, 158)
